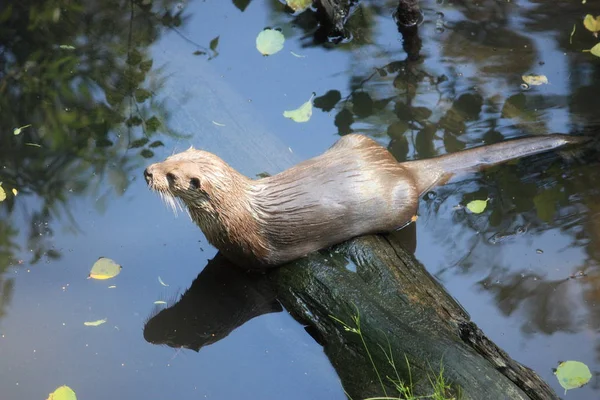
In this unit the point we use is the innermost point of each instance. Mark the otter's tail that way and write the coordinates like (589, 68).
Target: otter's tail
(437, 171)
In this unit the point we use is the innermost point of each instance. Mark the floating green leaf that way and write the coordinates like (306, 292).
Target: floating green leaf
(105, 268)
(299, 5)
(67, 47)
(477, 206)
(62, 393)
(95, 323)
(592, 24)
(302, 113)
(17, 131)
(535, 80)
(269, 41)
(572, 374)
(596, 50)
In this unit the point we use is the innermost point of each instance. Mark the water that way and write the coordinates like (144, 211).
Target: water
(81, 195)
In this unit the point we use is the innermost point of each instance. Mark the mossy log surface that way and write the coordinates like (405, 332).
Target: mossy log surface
(403, 310)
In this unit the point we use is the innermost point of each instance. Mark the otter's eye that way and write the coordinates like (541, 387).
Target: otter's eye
(171, 177)
(195, 183)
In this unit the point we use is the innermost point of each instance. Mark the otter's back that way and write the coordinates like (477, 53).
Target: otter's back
(354, 188)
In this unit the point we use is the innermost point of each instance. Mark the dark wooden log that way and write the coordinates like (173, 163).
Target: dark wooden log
(403, 310)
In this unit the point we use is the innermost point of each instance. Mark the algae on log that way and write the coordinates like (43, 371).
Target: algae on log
(402, 310)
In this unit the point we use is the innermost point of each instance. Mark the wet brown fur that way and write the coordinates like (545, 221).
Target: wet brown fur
(354, 188)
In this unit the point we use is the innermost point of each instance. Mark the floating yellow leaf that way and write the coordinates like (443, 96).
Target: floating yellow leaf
(62, 393)
(112, 287)
(477, 206)
(95, 323)
(160, 302)
(592, 24)
(269, 41)
(299, 5)
(15, 192)
(105, 268)
(572, 374)
(2, 193)
(534, 80)
(595, 50)
(302, 113)
(17, 131)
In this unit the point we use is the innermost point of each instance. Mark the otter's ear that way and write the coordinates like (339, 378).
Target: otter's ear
(195, 183)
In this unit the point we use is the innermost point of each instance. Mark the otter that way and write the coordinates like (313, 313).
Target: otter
(354, 188)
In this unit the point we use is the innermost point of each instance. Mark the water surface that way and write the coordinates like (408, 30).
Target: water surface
(526, 269)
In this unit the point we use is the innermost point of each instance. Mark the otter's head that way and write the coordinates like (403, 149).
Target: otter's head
(199, 179)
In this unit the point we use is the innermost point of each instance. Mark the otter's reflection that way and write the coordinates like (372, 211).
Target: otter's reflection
(224, 297)
(221, 298)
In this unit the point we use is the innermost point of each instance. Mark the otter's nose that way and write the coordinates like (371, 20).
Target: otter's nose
(148, 174)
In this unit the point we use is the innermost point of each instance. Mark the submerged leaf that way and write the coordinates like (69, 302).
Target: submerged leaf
(535, 80)
(105, 268)
(95, 323)
(302, 113)
(214, 43)
(477, 206)
(269, 41)
(62, 393)
(572, 374)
